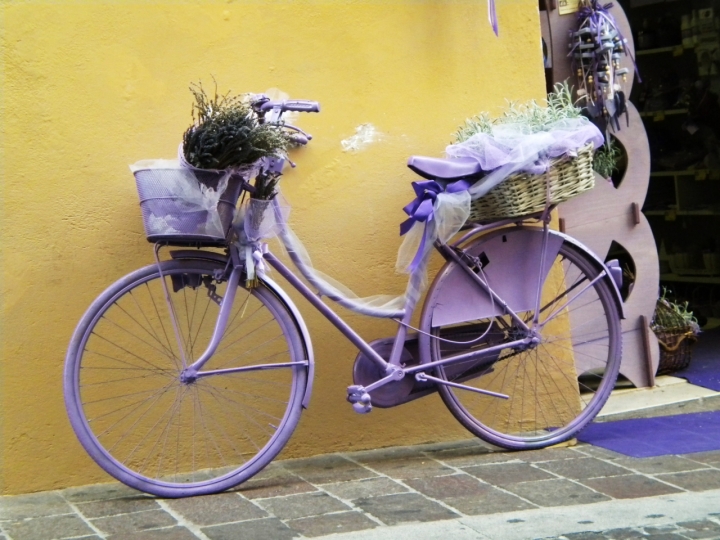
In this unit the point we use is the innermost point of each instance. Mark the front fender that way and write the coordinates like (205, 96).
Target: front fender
(305, 333)
(282, 295)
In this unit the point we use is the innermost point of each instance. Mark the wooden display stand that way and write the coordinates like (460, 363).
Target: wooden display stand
(608, 214)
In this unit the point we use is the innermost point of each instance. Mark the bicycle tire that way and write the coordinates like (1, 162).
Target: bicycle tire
(540, 382)
(155, 433)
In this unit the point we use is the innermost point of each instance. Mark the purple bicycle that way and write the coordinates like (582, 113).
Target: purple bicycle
(184, 378)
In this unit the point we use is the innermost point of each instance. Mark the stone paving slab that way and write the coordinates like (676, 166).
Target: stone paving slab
(135, 522)
(114, 507)
(582, 468)
(457, 488)
(216, 509)
(33, 505)
(332, 523)
(360, 489)
(45, 527)
(630, 486)
(261, 529)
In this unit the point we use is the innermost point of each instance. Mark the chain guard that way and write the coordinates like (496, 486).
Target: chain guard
(366, 372)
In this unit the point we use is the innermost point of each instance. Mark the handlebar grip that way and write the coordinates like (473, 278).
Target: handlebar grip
(301, 105)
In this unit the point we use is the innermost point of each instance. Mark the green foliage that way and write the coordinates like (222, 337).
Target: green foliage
(226, 133)
(606, 158)
(671, 315)
(265, 184)
(532, 116)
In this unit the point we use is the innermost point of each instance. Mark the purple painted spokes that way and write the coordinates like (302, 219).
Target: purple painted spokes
(557, 381)
(148, 424)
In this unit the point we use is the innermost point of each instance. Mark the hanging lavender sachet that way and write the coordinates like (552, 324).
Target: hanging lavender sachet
(596, 47)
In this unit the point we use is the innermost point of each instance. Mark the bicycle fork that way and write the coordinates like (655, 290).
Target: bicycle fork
(191, 373)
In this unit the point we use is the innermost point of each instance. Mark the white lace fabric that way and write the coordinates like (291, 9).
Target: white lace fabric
(171, 192)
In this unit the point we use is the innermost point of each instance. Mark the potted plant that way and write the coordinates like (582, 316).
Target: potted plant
(534, 155)
(194, 200)
(228, 136)
(606, 159)
(676, 329)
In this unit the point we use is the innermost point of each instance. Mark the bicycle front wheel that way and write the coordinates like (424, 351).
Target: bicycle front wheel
(551, 389)
(153, 431)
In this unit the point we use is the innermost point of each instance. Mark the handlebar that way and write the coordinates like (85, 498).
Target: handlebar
(271, 112)
(299, 105)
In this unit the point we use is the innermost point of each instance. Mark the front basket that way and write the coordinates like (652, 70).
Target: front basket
(171, 201)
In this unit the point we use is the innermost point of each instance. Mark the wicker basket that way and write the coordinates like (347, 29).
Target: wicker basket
(675, 336)
(522, 194)
(675, 350)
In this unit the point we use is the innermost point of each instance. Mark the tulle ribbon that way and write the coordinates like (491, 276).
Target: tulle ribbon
(421, 209)
(255, 261)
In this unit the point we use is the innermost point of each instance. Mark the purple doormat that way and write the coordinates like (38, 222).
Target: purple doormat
(660, 436)
(704, 368)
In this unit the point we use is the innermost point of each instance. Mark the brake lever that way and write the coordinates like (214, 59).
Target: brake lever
(295, 128)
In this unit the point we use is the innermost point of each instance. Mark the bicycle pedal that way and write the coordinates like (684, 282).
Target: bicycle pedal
(362, 408)
(360, 399)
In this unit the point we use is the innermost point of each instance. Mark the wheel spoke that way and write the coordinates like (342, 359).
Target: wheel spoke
(178, 364)
(548, 382)
(170, 436)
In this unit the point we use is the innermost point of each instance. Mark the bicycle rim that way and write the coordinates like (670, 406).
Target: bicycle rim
(553, 389)
(146, 427)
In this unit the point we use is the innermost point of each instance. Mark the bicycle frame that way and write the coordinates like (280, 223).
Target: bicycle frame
(391, 367)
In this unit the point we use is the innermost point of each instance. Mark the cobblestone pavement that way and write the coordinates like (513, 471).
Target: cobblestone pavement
(461, 490)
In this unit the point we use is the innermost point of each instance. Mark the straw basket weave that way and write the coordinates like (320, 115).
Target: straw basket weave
(521, 194)
(675, 350)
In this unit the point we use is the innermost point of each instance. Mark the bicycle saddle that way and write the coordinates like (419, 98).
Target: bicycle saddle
(444, 169)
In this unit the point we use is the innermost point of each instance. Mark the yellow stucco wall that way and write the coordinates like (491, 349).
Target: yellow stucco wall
(89, 87)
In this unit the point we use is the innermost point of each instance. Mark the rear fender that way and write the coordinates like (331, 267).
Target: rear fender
(512, 270)
(613, 283)
(510, 258)
(282, 296)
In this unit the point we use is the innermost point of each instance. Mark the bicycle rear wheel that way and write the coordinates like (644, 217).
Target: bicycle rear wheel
(553, 389)
(146, 427)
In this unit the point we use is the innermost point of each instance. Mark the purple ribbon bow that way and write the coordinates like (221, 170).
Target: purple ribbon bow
(422, 210)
